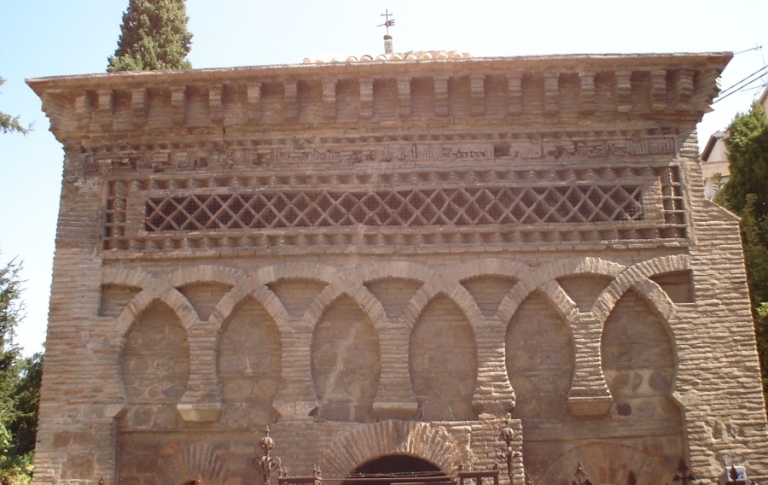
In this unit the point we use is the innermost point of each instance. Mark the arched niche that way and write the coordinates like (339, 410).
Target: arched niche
(443, 362)
(638, 360)
(155, 357)
(249, 365)
(346, 362)
(609, 463)
(539, 360)
(154, 365)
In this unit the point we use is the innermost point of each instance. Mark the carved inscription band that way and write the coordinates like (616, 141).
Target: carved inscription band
(267, 154)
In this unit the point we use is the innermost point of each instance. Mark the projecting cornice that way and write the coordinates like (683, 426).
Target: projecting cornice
(665, 89)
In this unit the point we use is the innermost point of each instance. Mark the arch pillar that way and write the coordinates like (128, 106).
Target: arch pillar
(200, 402)
(589, 394)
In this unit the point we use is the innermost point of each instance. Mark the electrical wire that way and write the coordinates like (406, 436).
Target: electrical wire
(735, 88)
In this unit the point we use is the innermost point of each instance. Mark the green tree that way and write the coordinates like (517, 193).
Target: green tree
(153, 36)
(27, 398)
(746, 193)
(747, 144)
(10, 123)
(19, 386)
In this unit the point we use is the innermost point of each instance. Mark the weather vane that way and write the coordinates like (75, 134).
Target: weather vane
(387, 21)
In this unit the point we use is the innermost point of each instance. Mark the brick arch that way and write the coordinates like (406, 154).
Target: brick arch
(551, 290)
(356, 291)
(563, 303)
(451, 290)
(137, 278)
(397, 269)
(206, 274)
(489, 267)
(579, 266)
(608, 463)
(575, 266)
(433, 284)
(638, 277)
(547, 277)
(190, 461)
(432, 443)
(249, 289)
(544, 279)
(313, 271)
(307, 271)
(170, 296)
(164, 289)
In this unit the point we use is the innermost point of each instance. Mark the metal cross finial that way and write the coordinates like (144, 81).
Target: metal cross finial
(387, 22)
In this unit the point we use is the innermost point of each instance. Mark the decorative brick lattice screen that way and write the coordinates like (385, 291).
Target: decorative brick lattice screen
(435, 207)
(469, 206)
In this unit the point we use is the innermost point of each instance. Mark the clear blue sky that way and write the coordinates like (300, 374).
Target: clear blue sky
(58, 37)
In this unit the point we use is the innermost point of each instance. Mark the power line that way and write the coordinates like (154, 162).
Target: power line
(735, 88)
(724, 91)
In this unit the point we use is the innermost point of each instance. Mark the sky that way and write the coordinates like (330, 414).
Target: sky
(43, 38)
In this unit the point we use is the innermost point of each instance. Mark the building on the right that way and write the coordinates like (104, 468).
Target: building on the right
(763, 101)
(714, 164)
(714, 157)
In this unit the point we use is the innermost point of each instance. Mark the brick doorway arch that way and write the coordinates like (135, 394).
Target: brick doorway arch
(433, 444)
(397, 468)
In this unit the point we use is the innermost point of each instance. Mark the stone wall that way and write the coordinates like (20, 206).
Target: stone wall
(385, 259)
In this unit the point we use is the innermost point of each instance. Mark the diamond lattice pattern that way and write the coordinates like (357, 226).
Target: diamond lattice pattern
(458, 206)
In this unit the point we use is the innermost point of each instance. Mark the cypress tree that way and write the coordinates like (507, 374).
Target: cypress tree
(153, 36)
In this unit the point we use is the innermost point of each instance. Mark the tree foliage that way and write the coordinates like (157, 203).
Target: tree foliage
(153, 36)
(746, 193)
(19, 386)
(10, 124)
(747, 144)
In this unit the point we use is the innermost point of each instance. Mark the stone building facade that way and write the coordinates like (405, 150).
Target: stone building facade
(379, 259)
